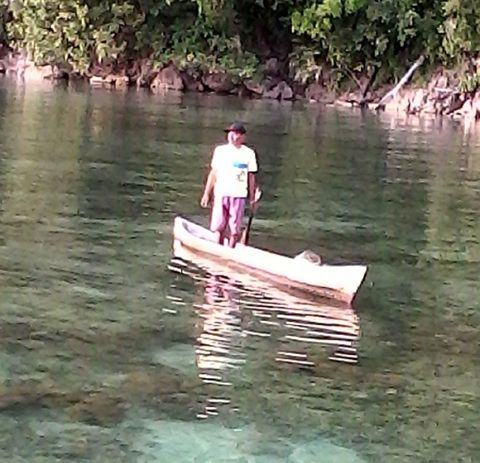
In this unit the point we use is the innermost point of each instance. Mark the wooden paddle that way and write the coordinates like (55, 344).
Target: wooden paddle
(246, 232)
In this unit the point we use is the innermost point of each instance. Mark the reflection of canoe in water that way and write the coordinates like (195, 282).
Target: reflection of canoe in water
(339, 282)
(301, 322)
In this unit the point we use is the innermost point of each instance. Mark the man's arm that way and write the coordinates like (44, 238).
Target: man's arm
(252, 181)
(207, 193)
(252, 185)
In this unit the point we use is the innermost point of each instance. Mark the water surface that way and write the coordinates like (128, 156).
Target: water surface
(110, 350)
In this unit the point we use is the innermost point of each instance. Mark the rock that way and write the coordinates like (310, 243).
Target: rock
(177, 356)
(280, 91)
(242, 92)
(468, 108)
(122, 82)
(168, 78)
(218, 82)
(22, 67)
(430, 106)
(143, 73)
(315, 92)
(254, 87)
(3, 51)
(476, 105)
(13, 63)
(298, 89)
(96, 81)
(60, 74)
(32, 73)
(196, 441)
(433, 82)
(273, 94)
(349, 97)
(286, 92)
(403, 103)
(192, 82)
(417, 101)
(272, 67)
(330, 453)
(110, 79)
(25, 394)
(99, 409)
(443, 93)
(394, 104)
(454, 102)
(438, 107)
(442, 82)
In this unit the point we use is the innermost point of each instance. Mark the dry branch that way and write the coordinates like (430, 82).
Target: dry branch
(393, 93)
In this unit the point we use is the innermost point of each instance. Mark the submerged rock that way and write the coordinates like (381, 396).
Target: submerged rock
(322, 450)
(189, 441)
(179, 356)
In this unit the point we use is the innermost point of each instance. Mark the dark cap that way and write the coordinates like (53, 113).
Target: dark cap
(236, 127)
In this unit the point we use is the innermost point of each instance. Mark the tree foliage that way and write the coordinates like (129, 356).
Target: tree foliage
(4, 11)
(350, 36)
(362, 35)
(460, 28)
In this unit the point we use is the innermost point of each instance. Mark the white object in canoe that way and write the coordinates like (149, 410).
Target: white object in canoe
(340, 282)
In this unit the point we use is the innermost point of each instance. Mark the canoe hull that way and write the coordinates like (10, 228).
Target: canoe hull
(339, 282)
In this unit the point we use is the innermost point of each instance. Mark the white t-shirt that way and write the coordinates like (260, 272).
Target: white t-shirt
(231, 166)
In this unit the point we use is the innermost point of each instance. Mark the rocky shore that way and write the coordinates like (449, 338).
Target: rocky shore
(438, 96)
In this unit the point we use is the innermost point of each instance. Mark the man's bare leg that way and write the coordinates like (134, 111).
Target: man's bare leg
(220, 236)
(233, 240)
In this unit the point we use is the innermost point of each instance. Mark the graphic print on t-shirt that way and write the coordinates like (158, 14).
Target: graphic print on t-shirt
(240, 174)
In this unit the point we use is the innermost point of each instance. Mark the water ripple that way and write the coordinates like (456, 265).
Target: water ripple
(237, 316)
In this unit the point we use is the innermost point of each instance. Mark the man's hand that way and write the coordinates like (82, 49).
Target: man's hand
(255, 199)
(208, 190)
(205, 200)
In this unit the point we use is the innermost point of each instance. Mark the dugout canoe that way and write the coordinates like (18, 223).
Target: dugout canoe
(339, 282)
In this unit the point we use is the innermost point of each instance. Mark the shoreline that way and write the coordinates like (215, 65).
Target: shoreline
(438, 96)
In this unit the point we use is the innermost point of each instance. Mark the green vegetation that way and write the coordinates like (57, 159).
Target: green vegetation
(349, 38)
(3, 22)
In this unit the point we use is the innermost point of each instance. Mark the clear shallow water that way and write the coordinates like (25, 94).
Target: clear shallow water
(111, 350)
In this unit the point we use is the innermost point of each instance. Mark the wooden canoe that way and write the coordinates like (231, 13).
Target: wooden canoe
(339, 282)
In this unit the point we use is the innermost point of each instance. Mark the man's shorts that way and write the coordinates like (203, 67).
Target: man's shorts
(228, 209)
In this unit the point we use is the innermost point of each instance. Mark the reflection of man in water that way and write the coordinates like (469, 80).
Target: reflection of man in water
(221, 322)
(215, 350)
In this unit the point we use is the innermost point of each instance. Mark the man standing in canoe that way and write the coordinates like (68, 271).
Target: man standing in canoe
(232, 181)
